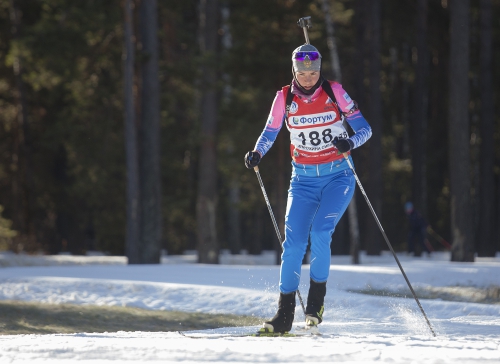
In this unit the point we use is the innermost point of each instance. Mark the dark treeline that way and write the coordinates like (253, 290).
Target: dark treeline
(424, 73)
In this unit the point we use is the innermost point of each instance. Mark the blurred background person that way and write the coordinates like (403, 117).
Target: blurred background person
(416, 234)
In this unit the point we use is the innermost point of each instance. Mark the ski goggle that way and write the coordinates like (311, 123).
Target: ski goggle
(301, 56)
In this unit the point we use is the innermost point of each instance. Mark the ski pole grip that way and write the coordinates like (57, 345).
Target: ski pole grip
(256, 168)
(305, 23)
(346, 156)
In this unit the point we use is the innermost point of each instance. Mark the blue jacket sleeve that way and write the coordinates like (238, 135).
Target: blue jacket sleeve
(361, 128)
(266, 141)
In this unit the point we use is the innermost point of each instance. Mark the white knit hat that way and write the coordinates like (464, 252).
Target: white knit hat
(305, 62)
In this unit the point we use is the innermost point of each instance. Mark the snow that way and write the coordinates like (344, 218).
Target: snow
(357, 328)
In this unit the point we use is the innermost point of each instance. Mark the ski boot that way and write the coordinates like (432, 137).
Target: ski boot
(315, 305)
(281, 323)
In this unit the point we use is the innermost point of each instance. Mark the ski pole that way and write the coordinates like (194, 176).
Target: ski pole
(256, 169)
(387, 241)
(428, 245)
(438, 237)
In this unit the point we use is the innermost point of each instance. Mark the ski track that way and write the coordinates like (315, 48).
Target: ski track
(357, 328)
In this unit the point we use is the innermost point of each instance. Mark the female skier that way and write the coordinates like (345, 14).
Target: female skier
(321, 185)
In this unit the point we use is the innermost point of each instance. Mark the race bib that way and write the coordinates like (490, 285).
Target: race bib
(317, 138)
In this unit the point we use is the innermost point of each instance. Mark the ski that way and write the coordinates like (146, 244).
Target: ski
(276, 334)
(200, 335)
(222, 336)
(250, 334)
(311, 330)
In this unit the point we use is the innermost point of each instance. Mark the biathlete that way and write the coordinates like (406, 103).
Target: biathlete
(321, 185)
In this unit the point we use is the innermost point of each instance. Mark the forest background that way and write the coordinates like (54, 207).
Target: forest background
(123, 123)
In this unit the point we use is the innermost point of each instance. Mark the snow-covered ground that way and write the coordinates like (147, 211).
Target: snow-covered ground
(357, 328)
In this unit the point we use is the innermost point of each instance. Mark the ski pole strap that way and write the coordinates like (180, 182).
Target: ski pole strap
(325, 85)
(328, 89)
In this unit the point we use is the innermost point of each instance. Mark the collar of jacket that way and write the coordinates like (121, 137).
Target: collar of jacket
(295, 89)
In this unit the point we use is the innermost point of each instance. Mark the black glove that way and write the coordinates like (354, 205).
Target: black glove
(252, 159)
(343, 145)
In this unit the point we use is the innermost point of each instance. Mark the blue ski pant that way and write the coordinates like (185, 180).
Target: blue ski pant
(314, 207)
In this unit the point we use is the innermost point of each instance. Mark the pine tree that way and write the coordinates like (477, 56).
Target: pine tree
(458, 126)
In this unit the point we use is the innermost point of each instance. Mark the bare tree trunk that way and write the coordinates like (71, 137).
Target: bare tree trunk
(332, 45)
(487, 189)
(375, 185)
(360, 51)
(150, 185)
(354, 230)
(132, 243)
(496, 245)
(352, 214)
(362, 158)
(257, 232)
(206, 206)
(234, 217)
(27, 202)
(405, 101)
(419, 190)
(458, 127)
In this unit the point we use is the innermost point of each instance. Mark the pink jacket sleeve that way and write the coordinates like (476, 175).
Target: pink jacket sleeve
(344, 100)
(273, 125)
(277, 113)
